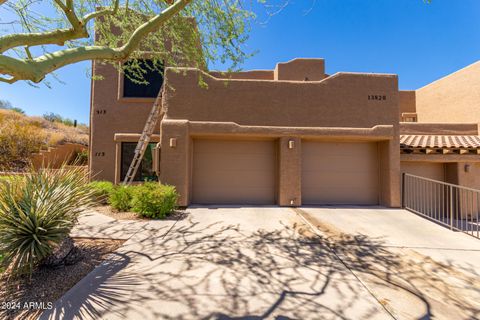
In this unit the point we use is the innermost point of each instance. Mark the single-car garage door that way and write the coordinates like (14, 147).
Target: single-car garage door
(233, 172)
(339, 173)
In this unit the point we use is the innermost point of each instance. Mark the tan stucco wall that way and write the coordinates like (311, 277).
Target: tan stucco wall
(110, 114)
(471, 178)
(454, 98)
(335, 109)
(438, 128)
(407, 102)
(301, 70)
(252, 74)
(338, 101)
(289, 172)
(56, 156)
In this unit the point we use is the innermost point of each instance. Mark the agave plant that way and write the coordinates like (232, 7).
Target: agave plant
(37, 212)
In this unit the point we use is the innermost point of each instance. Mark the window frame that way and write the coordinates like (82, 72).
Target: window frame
(121, 167)
(121, 84)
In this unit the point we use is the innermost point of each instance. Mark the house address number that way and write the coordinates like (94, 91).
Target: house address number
(377, 97)
(99, 154)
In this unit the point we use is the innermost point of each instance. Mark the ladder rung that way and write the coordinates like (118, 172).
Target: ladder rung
(142, 144)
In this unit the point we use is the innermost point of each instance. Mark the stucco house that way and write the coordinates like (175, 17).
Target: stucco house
(290, 136)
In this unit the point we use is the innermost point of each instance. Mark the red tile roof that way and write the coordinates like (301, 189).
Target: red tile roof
(430, 141)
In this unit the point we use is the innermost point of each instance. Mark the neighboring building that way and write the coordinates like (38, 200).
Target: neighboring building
(444, 145)
(290, 136)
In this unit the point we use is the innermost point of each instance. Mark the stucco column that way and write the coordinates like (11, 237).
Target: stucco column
(175, 156)
(118, 161)
(289, 171)
(389, 172)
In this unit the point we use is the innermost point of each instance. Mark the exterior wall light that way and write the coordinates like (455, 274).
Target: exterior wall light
(291, 144)
(467, 168)
(173, 142)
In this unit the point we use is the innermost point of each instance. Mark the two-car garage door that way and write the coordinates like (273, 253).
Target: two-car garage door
(339, 173)
(244, 172)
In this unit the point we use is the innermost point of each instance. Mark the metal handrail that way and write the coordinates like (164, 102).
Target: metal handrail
(451, 205)
(441, 182)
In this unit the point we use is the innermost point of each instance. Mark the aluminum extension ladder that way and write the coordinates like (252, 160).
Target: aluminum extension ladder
(144, 139)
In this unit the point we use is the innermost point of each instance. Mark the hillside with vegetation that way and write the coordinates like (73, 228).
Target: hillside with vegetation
(22, 136)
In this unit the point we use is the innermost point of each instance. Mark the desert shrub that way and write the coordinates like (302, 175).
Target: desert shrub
(154, 200)
(121, 197)
(79, 158)
(102, 190)
(22, 136)
(18, 141)
(37, 212)
(55, 117)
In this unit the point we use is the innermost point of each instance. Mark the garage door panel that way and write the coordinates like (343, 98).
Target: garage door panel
(344, 180)
(339, 173)
(233, 172)
(233, 195)
(258, 160)
(338, 162)
(223, 179)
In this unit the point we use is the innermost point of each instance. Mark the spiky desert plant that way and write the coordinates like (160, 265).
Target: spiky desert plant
(37, 212)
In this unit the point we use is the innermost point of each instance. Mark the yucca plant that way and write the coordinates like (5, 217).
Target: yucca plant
(37, 212)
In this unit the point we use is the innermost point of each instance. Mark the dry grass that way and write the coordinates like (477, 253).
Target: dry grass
(21, 136)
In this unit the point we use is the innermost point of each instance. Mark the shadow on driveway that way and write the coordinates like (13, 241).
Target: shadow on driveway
(219, 272)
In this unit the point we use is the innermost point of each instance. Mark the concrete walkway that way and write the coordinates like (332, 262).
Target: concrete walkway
(94, 225)
(416, 268)
(218, 263)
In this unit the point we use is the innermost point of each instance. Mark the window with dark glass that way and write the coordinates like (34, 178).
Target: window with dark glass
(154, 77)
(145, 171)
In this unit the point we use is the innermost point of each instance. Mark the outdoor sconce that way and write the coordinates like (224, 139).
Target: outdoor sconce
(173, 142)
(291, 144)
(467, 168)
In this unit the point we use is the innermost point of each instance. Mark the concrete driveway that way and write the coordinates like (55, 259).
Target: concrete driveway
(415, 268)
(224, 263)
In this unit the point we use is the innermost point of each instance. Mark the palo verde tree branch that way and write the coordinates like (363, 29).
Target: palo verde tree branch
(107, 11)
(60, 36)
(36, 69)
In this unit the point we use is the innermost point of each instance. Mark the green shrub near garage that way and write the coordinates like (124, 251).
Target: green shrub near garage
(120, 197)
(154, 200)
(102, 190)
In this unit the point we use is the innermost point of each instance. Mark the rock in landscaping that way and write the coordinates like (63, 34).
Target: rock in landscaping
(65, 254)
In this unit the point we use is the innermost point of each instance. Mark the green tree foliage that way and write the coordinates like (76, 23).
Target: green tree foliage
(193, 32)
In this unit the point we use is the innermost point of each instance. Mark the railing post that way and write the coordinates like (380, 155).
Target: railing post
(450, 188)
(403, 189)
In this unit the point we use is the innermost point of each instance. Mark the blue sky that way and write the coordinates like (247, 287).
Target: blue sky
(420, 42)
